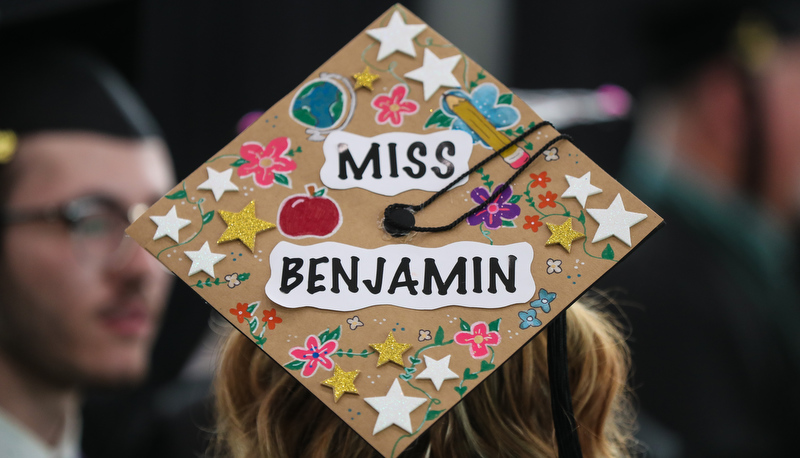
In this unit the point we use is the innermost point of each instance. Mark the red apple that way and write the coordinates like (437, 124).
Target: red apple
(309, 215)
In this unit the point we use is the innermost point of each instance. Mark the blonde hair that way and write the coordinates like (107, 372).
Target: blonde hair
(508, 415)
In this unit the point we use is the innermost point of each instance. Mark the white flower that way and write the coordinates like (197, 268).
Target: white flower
(233, 280)
(354, 323)
(424, 335)
(551, 154)
(553, 266)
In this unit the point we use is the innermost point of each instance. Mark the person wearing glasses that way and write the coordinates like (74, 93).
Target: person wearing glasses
(80, 304)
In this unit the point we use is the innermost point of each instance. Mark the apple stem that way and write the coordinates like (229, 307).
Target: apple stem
(311, 189)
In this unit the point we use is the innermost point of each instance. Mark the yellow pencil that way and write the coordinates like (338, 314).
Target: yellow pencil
(475, 120)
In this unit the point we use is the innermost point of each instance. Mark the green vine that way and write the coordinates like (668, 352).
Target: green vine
(349, 353)
(430, 414)
(608, 252)
(205, 218)
(217, 281)
(469, 375)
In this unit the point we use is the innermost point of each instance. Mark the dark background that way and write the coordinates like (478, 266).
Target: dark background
(200, 65)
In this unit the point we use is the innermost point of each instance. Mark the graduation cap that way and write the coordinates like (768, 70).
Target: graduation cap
(394, 229)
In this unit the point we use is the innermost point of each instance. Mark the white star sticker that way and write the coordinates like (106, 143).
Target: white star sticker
(397, 36)
(615, 220)
(169, 225)
(204, 260)
(218, 182)
(394, 408)
(581, 188)
(435, 73)
(437, 371)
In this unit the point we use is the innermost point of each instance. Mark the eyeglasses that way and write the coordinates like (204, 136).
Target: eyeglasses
(96, 224)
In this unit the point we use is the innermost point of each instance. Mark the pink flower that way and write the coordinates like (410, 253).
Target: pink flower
(478, 338)
(262, 162)
(315, 354)
(391, 107)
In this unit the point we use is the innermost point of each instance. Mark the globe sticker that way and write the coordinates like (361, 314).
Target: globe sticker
(324, 105)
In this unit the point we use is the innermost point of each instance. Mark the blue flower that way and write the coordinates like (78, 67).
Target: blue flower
(544, 300)
(529, 319)
(484, 98)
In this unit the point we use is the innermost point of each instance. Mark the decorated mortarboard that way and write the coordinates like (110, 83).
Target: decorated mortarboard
(394, 229)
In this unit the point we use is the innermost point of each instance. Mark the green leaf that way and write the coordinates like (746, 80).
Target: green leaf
(216, 281)
(494, 325)
(473, 84)
(468, 375)
(464, 325)
(239, 162)
(199, 283)
(178, 195)
(567, 214)
(405, 377)
(414, 360)
(486, 366)
(508, 132)
(460, 390)
(410, 370)
(208, 282)
(299, 149)
(282, 179)
(433, 414)
(252, 307)
(505, 99)
(438, 119)
(208, 216)
(295, 365)
(507, 223)
(532, 124)
(330, 335)
(349, 353)
(439, 339)
(514, 199)
(520, 130)
(528, 145)
(489, 184)
(481, 75)
(364, 353)
(339, 353)
(243, 276)
(319, 192)
(608, 253)
(261, 341)
(253, 325)
(582, 218)
(290, 153)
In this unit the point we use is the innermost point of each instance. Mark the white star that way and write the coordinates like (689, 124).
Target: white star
(204, 260)
(615, 220)
(397, 36)
(394, 408)
(218, 182)
(437, 371)
(435, 73)
(581, 188)
(169, 225)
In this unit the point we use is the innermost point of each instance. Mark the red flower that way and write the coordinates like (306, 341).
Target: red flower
(478, 338)
(240, 312)
(315, 354)
(271, 319)
(548, 200)
(540, 180)
(393, 106)
(532, 223)
(263, 161)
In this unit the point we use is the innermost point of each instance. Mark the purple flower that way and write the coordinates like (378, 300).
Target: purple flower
(494, 213)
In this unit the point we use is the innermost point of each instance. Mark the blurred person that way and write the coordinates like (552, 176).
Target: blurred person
(80, 157)
(508, 415)
(715, 344)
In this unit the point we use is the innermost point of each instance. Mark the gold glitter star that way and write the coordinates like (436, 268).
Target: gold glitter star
(390, 350)
(243, 225)
(8, 144)
(365, 78)
(563, 234)
(342, 382)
